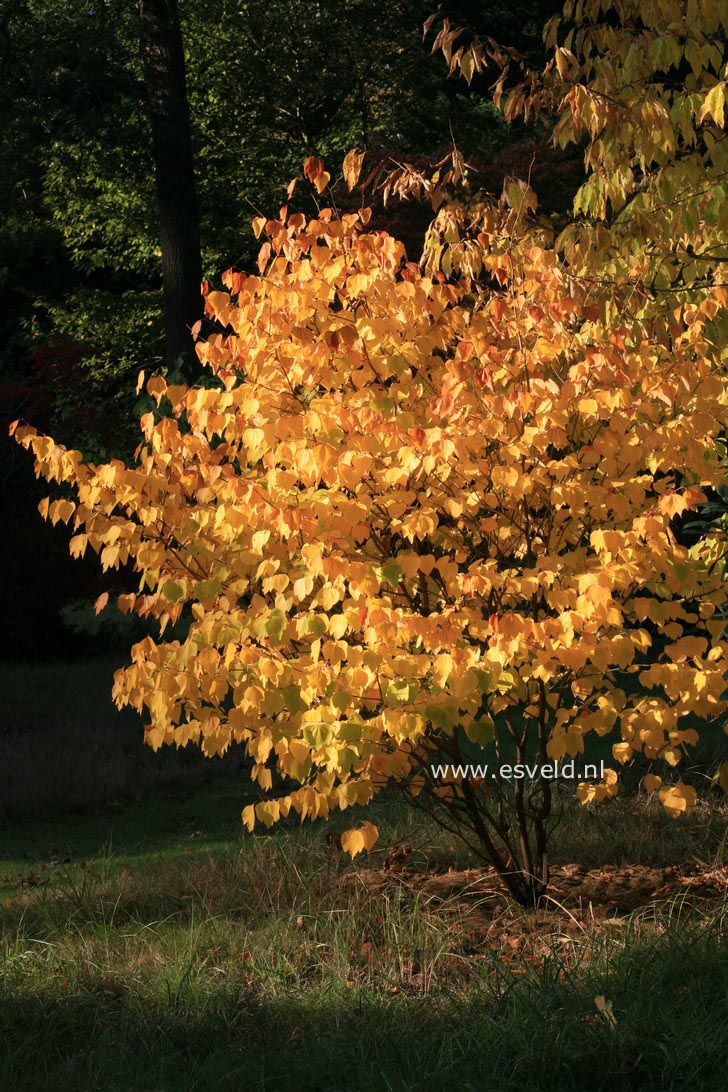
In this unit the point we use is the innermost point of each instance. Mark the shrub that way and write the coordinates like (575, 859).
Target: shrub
(428, 509)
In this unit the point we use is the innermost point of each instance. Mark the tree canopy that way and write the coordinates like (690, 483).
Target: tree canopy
(426, 508)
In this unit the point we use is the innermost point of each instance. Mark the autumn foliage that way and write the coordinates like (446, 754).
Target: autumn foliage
(428, 508)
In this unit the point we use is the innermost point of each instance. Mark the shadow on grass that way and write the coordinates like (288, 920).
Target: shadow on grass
(186, 854)
(540, 1033)
(64, 745)
(163, 823)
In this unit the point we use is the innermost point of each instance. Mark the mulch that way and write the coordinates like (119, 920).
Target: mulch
(604, 890)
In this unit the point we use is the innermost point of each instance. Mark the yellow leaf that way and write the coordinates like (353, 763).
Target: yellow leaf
(61, 510)
(321, 181)
(352, 167)
(622, 751)
(338, 626)
(676, 799)
(606, 1009)
(441, 668)
(157, 386)
(467, 66)
(77, 545)
(564, 59)
(672, 504)
(264, 256)
(359, 839)
(268, 811)
(714, 104)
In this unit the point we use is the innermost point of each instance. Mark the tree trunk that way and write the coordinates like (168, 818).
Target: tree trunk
(163, 67)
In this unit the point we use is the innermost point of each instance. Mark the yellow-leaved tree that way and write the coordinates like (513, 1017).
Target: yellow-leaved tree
(429, 509)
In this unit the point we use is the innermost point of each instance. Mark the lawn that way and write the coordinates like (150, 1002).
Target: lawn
(152, 944)
(65, 746)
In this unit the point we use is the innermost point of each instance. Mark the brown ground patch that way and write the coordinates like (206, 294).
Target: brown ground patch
(601, 891)
(586, 909)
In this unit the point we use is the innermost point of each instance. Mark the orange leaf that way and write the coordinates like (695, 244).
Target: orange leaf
(313, 167)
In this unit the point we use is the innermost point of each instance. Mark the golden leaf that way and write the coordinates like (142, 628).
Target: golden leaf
(352, 167)
(677, 799)
(359, 839)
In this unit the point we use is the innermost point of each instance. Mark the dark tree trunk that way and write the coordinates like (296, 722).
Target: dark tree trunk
(163, 66)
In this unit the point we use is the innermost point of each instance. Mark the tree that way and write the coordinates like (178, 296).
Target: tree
(426, 515)
(163, 64)
(79, 235)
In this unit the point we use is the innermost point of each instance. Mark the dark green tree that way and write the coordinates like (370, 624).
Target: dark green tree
(163, 66)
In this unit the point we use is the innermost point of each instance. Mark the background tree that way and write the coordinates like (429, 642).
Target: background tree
(163, 66)
(80, 228)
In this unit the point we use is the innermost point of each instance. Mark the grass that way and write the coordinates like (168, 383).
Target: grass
(65, 746)
(218, 1017)
(148, 942)
(157, 946)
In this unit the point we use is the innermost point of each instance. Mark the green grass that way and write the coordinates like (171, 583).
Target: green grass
(215, 1018)
(157, 946)
(148, 942)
